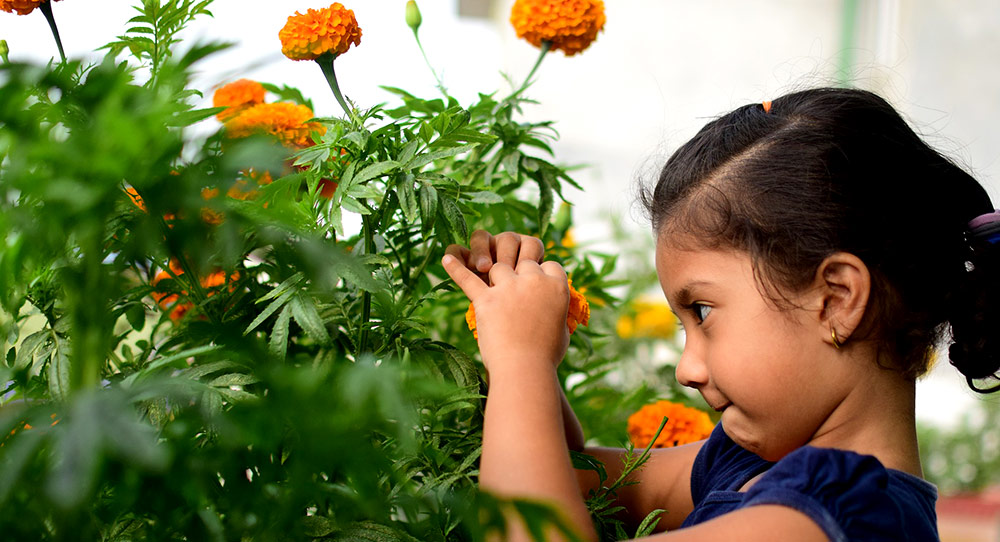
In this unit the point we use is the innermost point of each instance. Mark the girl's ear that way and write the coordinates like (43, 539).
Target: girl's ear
(844, 285)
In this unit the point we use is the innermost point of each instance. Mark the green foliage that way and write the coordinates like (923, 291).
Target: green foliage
(601, 502)
(965, 458)
(320, 385)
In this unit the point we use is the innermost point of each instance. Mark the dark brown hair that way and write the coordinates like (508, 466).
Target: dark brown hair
(830, 170)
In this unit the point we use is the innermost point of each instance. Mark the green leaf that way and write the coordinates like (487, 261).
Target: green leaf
(546, 203)
(423, 159)
(354, 206)
(485, 197)
(455, 219)
(59, 371)
(279, 333)
(305, 313)
(136, 316)
(372, 171)
(233, 379)
(649, 523)
(406, 192)
(408, 152)
(428, 206)
(274, 306)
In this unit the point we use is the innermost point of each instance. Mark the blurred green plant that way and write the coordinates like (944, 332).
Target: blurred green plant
(965, 458)
(321, 387)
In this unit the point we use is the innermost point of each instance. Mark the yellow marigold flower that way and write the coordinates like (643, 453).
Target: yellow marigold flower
(236, 96)
(684, 425)
(284, 120)
(647, 319)
(569, 25)
(21, 7)
(578, 314)
(309, 35)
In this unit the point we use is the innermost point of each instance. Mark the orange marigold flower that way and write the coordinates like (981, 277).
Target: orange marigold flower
(285, 121)
(171, 301)
(569, 25)
(22, 7)
(684, 425)
(135, 197)
(309, 35)
(578, 313)
(237, 96)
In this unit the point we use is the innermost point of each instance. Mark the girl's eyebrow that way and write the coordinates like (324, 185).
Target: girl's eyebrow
(685, 294)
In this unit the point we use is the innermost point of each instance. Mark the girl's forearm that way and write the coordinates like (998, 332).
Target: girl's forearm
(571, 425)
(525, 450)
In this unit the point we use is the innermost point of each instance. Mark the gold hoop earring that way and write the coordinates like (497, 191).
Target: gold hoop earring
(836, 342)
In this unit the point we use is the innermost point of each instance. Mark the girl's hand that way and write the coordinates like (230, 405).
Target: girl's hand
(508, 247)
(521, 318)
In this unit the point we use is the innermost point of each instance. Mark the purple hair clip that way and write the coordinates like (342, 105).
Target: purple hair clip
(986, 227)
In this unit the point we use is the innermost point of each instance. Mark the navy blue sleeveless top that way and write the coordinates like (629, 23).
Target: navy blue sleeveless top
(852, 497)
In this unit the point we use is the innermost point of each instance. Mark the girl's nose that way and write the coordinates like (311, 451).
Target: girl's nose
(691, 369)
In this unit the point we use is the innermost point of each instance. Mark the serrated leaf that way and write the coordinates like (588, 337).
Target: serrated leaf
(279, 333)
(354, 206)
(59, 371)
(455, 219)
(374, 170)
(423, 159)
(428, 206)
(485, 197)
(546, 203)
(271, 309)
(406, 192)
(199, 371)
(649, 523)
(305, 313)
(408, 152)
(233, 379)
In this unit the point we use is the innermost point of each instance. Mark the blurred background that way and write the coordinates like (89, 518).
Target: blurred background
(657, 73)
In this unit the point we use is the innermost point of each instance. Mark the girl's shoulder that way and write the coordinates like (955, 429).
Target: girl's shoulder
(850, 496)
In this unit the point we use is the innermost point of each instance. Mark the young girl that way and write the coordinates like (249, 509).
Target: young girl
(816, 252)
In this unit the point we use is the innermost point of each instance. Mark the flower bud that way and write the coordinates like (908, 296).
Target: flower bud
(4, 50)
(413, 18)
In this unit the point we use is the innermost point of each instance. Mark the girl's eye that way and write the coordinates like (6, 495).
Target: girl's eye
(700, 311)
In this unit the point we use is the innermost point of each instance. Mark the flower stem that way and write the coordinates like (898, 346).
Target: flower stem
(546, 46)
(46, 8)
(420, 46)
(331, 78)
(366, 296)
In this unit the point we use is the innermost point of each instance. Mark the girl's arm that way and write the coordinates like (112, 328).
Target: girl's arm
(521, 320)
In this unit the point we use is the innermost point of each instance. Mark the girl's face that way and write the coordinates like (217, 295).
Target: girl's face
(767, 369)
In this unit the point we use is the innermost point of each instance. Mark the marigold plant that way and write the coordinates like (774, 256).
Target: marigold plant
(578, 313)
(310, 35)
(569, 26)
(237, 96)
(684, 425)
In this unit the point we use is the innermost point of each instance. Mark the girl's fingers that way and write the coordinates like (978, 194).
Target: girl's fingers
(459, 252)
(500, 273)
(480, 258)
(532, 249)
(470, 284)
(528, 267)
(507, 246)
(553, 269)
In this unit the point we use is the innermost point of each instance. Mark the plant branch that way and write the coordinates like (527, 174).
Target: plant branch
(420, 46)
(546, 46)
(366, 296)
(331, 79)
(46, 8)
